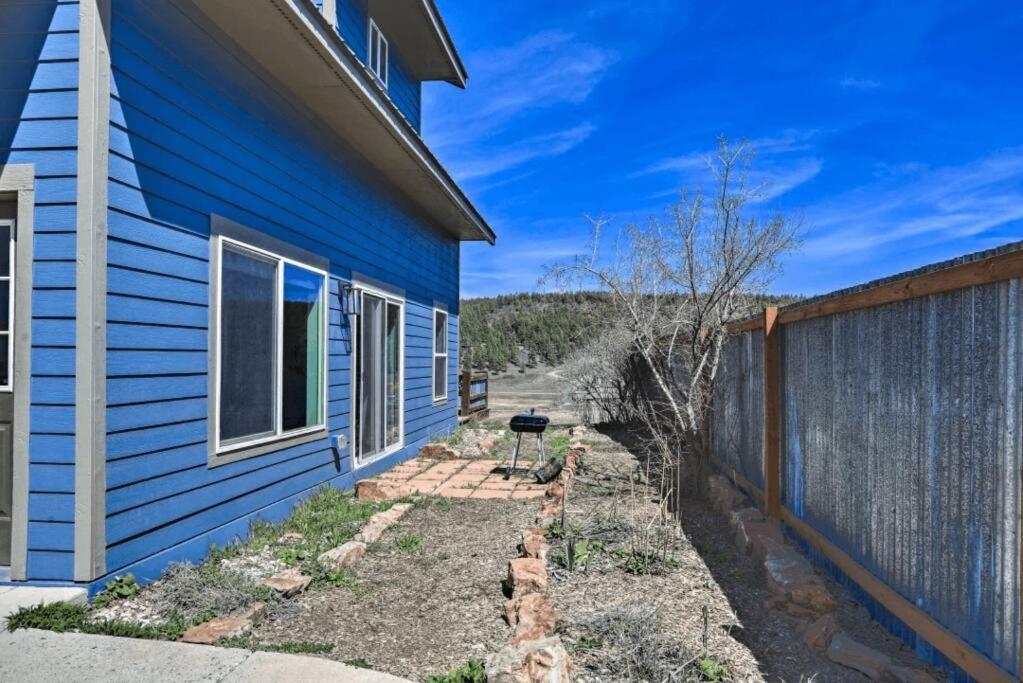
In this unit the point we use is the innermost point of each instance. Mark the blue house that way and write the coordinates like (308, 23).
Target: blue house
(230, 266)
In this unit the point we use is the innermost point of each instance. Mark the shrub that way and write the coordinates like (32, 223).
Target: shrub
(117, 588)
(471, 672)
(632, 646)
(201, 592)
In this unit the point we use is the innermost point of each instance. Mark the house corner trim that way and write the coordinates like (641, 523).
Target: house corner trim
(91, 282)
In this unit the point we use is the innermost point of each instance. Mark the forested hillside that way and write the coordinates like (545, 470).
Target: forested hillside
(526, 329)
(530, 329)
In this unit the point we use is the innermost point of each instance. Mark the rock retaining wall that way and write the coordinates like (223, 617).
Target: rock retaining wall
(535, 654)
(799, 594)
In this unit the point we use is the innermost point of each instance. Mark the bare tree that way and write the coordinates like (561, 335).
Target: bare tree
(674, 285)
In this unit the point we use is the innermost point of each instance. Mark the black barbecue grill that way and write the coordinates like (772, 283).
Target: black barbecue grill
(527, 423)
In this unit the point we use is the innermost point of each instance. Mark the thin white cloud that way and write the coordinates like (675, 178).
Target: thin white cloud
(781, 166)
(544, 70)
(516, 263)
(519, 153)
(782, 180)
(935, 206)
(854, 83)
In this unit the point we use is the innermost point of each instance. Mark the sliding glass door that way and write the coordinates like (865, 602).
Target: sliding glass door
(379, 349)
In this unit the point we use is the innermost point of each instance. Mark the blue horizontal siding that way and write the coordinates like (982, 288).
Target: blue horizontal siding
(196, 130)
(39, 126)
(404, 89)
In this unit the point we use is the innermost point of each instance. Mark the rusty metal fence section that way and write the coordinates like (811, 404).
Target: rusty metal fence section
(738, 408)
(901, 439)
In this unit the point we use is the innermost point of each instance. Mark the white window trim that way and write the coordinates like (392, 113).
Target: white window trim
(446, 355)
(359, 288)
(10, 279)
(279, 434)
(380, 77)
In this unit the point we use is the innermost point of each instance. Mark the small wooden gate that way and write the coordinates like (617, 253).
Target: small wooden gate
(472, 389)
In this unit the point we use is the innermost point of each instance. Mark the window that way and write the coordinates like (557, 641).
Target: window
(440, 355)
(378, 53)
(271, 347)
(6, 303)
(378, 376)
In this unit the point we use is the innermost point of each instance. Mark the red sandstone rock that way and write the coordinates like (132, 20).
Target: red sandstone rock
(527, 575)
(534, 544)
(437, 451)
(758, 538)
(223, 627)
(343, 556)
(814, 597)
(288, 582)
(847, 652)
(555, 490)
(533, 617)
(819, 634)
(787, 570)
(372, 489)
(532, 661)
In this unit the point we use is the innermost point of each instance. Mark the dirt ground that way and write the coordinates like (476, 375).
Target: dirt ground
(428, 596)
(422, 611)
(609, 486)
(735, 586)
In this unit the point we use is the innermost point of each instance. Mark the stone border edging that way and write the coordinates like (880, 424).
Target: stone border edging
(535, 653)
(798, 592)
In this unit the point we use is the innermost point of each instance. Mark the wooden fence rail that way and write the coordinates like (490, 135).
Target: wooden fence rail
(966, 274)
(473, 390)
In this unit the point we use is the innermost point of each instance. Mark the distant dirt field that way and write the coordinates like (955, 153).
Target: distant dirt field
(541, 388)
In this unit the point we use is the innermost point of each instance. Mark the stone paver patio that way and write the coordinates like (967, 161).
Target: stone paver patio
(465, 479)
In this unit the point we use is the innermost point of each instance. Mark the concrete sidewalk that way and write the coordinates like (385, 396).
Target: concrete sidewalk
(28, 656)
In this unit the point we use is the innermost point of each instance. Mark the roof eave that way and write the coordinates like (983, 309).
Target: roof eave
(324, 72)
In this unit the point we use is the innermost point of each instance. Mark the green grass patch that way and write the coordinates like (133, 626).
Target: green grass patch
(358, 663)
(471, 672)
(587, 643)
(711, 669)
(327, 519)
(454, 438)
(557, 447)
(63, 618)
(296, 648)
(409, 542)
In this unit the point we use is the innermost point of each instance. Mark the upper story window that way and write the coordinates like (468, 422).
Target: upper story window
(378, 53)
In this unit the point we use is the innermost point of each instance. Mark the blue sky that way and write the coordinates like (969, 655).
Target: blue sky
(893, 129)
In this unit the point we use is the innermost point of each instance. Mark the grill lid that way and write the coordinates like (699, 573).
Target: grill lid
(529, 423)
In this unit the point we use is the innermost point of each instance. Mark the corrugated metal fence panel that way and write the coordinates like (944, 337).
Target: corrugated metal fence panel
(738, 417)
(902, 445)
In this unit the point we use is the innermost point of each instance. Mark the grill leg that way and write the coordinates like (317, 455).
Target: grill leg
(515, 456)
(539, 445)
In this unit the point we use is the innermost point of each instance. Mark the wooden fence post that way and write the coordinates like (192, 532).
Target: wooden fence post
(772, 413)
